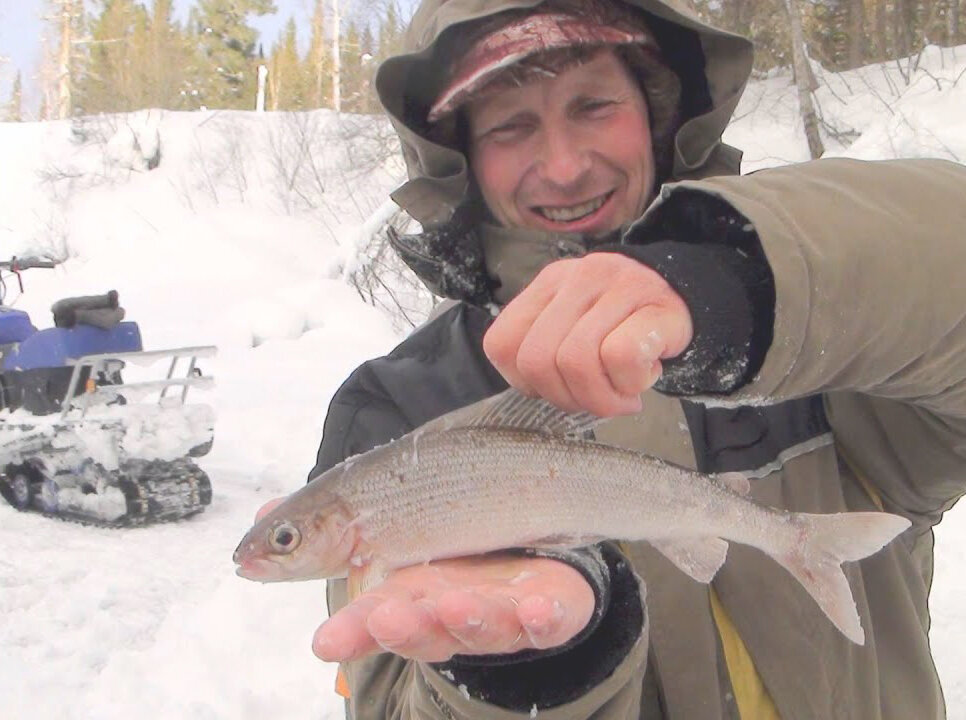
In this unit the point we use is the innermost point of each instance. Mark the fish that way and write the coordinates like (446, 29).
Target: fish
(513, 471)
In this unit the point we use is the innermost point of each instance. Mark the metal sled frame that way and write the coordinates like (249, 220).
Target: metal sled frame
(98, 363)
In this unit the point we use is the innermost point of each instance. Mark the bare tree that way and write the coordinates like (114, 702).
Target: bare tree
(802, 75)
(856, 33)
(952, 21)
(68, 10)
(317, 66)
(336, 58)
(57, 58)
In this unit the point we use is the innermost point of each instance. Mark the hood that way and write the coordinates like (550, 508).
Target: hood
(713, 66)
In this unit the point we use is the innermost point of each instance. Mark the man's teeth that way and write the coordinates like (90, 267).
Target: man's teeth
(574, 212)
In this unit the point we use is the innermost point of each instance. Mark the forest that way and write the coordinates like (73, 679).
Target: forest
(111, 56)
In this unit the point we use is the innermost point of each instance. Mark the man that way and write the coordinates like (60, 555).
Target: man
(803, 325)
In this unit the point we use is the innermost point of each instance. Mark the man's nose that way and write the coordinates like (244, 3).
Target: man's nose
(564, 160)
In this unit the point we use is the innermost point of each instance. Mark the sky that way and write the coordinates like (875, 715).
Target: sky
(21, 26)
(152, 622)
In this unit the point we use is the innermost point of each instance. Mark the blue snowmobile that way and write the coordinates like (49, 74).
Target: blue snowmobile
(76, 440)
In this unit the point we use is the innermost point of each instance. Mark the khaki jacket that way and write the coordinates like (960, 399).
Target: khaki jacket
(870, 321)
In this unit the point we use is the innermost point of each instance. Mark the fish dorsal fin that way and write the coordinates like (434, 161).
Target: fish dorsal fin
(511, 409)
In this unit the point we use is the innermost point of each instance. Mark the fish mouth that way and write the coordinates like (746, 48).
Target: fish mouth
(258, 569)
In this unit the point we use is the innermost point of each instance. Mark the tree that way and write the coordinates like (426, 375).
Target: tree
(14, 112)
(226, 74)
(390, 33)
(113, 77)
(952, 22)
(167, 58)
(59, 57)
(358, 52)
(286, 86)
(336, 57)
(803, 74)
(318, 65)
(762, 20)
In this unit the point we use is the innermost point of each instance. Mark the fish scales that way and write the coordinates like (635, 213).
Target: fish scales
(450, 489)
(510, 471)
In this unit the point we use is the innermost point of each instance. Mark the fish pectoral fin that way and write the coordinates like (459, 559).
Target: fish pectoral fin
(364, 578)
(736, 482)
(699, 558)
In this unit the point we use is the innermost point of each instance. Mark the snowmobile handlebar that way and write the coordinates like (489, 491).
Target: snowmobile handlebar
(16, 264)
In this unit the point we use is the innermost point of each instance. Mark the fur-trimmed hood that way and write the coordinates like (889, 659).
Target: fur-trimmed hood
(713, 66)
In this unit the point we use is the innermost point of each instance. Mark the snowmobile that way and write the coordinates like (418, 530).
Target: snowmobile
(78, 442)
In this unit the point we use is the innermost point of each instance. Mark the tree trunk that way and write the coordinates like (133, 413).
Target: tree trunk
(63, 59)
(881, 32)
(317, 59)
(802, 75)
(952, 21)
(260, 93)
(336, 59)
(856, 34)
(903, 25)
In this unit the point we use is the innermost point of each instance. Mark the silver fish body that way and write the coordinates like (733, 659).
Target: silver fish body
(514, 473)
(472, 490)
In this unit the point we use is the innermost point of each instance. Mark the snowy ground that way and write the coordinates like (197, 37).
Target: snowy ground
(232, 241)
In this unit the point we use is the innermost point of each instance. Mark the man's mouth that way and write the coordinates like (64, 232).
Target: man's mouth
(572, 213)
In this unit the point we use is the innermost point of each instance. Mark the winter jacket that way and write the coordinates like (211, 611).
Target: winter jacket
(856, 401)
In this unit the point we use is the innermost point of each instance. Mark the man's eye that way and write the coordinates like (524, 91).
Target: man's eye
(596, 107)
(509, 132)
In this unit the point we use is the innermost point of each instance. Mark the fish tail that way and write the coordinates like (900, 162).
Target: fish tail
(828, 541)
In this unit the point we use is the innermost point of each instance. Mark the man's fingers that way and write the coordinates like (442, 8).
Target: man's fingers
(482, 623)
(412, 629)
(632, 352)
(539, 357)
(589, 334)
(580, 358)
(464, 606)
(543, 620)
(344, 636)
(502, 340)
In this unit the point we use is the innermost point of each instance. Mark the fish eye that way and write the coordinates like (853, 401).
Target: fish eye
(284, 538)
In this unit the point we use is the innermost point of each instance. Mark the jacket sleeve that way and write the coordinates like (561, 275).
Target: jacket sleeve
(382, 401)
(867, 261)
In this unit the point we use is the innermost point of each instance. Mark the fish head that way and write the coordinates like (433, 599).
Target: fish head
(298, 540)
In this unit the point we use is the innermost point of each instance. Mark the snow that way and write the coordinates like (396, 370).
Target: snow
(236, 240)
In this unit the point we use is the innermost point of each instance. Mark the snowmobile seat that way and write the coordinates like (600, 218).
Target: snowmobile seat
(15, 326)
(54, 347)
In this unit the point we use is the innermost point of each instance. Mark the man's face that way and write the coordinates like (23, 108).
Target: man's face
(565, 153)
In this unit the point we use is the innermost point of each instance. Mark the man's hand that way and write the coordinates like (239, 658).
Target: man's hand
(589, 334)
(473, 605)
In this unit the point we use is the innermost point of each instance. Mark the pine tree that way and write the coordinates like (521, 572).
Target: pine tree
(14, 112)
(765, 21)
(390, 33)
(351, 57)
(226, 74)
(367, 58)
(285, 82)
(167, 57)
(113, 76)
